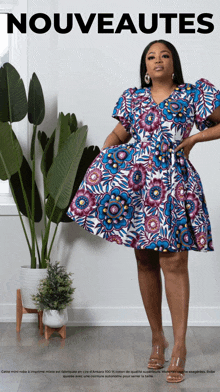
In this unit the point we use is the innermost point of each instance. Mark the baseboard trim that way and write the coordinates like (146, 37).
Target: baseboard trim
(118, 316)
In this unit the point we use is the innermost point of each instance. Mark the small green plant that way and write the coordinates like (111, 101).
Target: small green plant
(55, 291)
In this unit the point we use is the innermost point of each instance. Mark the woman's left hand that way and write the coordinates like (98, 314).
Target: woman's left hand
(187, 145)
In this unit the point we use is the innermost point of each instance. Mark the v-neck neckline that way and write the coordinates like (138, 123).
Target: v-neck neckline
(175, 89)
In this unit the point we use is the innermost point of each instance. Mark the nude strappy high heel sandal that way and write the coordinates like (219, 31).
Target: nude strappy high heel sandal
(176, 369)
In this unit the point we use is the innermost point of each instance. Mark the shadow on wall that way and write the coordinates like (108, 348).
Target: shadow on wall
(48, 126)
(50, 120)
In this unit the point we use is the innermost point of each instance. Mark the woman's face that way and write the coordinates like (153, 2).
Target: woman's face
(159, 62)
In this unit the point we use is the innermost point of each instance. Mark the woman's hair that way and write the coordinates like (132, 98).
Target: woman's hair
(178, 78)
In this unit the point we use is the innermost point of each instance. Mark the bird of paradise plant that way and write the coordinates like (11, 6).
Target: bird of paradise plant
(64, 162)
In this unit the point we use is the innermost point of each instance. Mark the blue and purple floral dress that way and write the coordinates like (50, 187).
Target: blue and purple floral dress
(142, 194)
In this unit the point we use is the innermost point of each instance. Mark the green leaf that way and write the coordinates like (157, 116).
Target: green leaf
(63, 129)
(59, 214)
(73, 123)
(47, 158)
(11, 155)
(87, 158)
(66, 125)
(13, 100)
(36, 105)
(33, 142)
(26, 175)
(43, 139)
(62, 173)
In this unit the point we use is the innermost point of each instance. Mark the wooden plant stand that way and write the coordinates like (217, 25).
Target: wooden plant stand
(20, 310)
(49, 331)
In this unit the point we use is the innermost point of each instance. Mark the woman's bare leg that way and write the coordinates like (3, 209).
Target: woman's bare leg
(175, 269)
(149, 277)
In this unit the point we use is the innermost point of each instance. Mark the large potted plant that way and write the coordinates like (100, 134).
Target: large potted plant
(64, 162)
(54, 295)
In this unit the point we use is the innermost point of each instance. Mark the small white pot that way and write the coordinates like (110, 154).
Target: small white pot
(54, 318)
(29, 280)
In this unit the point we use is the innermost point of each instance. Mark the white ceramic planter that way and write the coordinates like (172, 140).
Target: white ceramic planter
(54, 318)
(29, 279)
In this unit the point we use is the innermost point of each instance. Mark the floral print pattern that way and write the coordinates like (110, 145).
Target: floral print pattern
(162, 154)
(155, 193)
(94, 177)
(115, 210)
(136, 177)
(115, 238)
(150, 120)
(143, 194)
(82, 203)
(152, 224)
(116, 160)
(175, 110)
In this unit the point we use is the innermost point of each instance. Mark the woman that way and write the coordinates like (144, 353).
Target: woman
(147, 195)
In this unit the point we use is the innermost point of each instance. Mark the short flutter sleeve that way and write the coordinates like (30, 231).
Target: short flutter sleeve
(206, 100)
(122, 109)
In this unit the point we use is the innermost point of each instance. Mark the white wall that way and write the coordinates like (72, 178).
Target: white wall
(85, 74)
